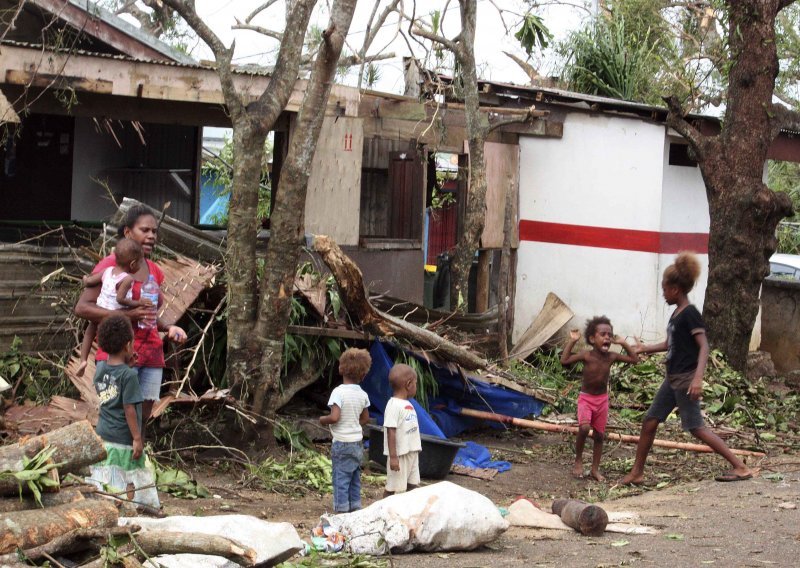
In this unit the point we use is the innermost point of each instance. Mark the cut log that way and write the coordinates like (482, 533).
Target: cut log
(77, 446)
(29, 529)
(10, 486)
(73, 541)
(154, 543)
(68, 495)
(589, 520)
(354, 295)
(627, 438)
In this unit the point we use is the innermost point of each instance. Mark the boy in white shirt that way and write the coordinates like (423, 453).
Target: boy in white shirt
(348, 404)
(401, 439)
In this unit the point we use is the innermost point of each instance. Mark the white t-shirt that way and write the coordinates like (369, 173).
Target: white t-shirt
(400, 414)
(352, 401)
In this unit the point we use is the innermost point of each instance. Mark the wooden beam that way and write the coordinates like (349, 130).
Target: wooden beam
(85, 22)
(28, 78)
(148, 80)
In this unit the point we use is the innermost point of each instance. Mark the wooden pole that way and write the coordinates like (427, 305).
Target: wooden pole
(560, 428)
(482, 282)
(590, 520)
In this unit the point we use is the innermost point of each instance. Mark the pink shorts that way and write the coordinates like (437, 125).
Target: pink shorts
(593, 410)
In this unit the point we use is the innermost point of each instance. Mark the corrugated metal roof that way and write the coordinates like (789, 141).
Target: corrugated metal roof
(194, 65)
(129, 29)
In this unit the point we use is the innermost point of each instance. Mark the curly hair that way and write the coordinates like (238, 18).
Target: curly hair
(684, 272)
(591, 326)
(131, 216)
(354, 363)
(126, 251)
(114, 333)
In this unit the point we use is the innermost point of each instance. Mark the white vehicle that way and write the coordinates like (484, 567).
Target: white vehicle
(785, 266)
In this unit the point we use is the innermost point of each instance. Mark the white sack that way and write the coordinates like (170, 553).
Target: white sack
(443, 516)
(273, 542)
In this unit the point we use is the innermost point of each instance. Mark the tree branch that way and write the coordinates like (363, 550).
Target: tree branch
(529, 69)
(258, 10)
(223, 55)
(287, 66)
(452, 45)
(258, 29)
(527, 115)
(676, 120)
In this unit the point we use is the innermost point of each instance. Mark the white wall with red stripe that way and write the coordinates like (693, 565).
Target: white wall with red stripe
(602, 213)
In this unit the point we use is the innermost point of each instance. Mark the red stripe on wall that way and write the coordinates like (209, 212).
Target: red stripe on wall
(618, 239)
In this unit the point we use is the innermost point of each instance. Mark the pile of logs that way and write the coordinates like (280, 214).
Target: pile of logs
(79, 522)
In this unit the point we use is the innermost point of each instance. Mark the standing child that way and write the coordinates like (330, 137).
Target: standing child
(120, 421)
(401, 440)
(593, 398)
(348, 404)
(687, 353)
(115, 291)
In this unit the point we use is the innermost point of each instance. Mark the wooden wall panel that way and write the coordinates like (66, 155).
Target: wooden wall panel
(502, 178)
(334, 187)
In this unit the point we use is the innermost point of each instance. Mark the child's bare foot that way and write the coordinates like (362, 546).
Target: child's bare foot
(81, 369)
(596, 475)
(577, 471)
(632, 479)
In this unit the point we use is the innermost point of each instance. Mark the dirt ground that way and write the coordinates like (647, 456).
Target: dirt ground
(700, 522)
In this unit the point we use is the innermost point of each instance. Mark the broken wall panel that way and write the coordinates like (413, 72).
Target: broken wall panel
(502, 179)
(334, 186)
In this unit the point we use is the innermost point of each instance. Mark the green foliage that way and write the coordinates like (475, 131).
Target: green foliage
(785, 177)
(305, 469)
(607, 60)
(219, 170)
(295, 438)
(34, 474)
(533, 32)
(36, 375)
(729, 397)
(427, 386)
(372, 74)
(178, 483)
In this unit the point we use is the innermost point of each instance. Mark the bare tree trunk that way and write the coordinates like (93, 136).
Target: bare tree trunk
(288, 218)
(475, 213)
(744, 211)
(251, 123)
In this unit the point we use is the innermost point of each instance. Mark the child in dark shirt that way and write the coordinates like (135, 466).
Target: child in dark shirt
(120, 420)
(593, 398)
(687, 353)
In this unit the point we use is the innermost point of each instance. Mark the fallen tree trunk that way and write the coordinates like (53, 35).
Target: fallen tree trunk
(73, 541)
(154, 543)
(539, 425)
(29, 529)
(27, 502)
(354, 295)
(77, 446)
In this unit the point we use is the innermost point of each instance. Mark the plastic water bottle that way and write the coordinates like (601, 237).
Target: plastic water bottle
(150, 291)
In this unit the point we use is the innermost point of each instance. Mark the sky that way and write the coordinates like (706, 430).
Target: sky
(491, 37)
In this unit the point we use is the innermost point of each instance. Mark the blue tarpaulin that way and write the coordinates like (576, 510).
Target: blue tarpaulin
(455, 392)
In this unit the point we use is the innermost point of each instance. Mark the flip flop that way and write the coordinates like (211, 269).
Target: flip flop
(730, 476)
